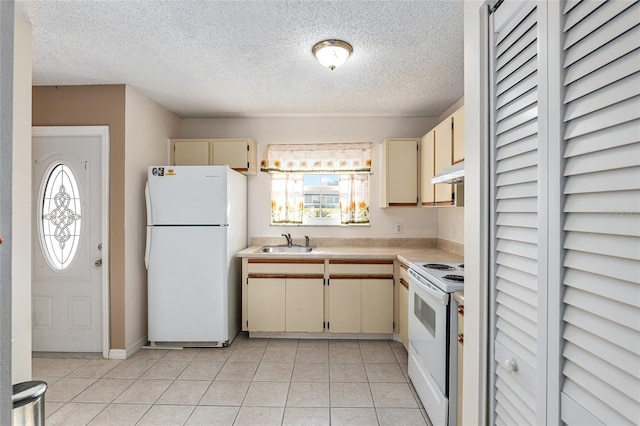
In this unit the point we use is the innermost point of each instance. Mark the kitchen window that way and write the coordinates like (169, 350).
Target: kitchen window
(320, 184)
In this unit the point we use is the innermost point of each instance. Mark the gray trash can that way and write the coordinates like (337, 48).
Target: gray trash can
(28, 403)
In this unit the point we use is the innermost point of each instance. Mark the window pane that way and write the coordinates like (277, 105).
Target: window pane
(321, 194)
(319, 199)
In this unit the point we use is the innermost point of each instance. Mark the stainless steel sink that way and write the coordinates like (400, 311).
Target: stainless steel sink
(285, 249)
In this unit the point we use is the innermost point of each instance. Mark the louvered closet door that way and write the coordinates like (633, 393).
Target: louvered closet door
(518, 259)
(601, 365)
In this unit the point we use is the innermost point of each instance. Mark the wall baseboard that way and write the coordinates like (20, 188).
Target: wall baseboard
(127, 353)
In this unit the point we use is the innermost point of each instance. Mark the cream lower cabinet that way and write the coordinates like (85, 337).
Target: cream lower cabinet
(345, 305)
(361, 305)
(267, 301)
(291, 296)
(360, 297)
(377, 305)
(283, 296)
(285, 304)
(403, 305)
(304, 305)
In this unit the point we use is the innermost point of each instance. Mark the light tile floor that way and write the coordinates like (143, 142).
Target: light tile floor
(252, 382)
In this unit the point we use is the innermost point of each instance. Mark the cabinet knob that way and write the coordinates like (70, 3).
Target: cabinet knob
(0, 240)
(511, 366)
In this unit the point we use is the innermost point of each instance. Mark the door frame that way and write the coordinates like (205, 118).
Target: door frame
(103, 133)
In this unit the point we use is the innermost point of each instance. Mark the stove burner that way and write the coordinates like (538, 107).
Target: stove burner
(439, 267)
(456, 278)
(461, 266)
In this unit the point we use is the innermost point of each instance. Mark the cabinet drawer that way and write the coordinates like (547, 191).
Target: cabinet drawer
(285, 267)
(361, 268)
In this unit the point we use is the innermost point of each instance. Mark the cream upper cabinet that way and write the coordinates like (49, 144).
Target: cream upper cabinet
(458, 135)
(427, 169)
(400, 172)
(239, 154)
(304, 305)
(441, 147)
(193, 152)
(443, 158)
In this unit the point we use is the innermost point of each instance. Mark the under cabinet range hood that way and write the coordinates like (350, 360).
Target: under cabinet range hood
(451, 174)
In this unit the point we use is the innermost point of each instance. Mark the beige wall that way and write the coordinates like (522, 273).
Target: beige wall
(451, 224)
(148, 126)
(93, 106)
(418, 222)
(21, 205)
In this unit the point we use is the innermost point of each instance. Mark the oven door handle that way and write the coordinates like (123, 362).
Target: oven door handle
(434, 292)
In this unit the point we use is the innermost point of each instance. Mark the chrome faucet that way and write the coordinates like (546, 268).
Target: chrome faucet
(306, 241)
(289, 240)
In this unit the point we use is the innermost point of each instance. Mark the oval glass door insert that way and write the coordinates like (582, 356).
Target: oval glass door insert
(60, 217)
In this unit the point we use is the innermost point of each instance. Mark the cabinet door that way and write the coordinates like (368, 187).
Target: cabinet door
(443, 142)
(427, 169)
(400, 173)
(458, 135)
(345, 305)
(377, 305)
(304, 305)
(403, 315)
(231, 152)
(190, 152)
(266, 304)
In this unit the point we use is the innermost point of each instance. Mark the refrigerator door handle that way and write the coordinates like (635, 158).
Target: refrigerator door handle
(147, 249)
(147, 198)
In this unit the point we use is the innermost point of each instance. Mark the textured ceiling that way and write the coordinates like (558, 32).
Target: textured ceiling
(253, 58)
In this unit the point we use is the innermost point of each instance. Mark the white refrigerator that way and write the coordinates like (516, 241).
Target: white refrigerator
(196, 223)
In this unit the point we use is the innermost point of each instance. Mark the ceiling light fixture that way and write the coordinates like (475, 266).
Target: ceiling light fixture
(332, 53)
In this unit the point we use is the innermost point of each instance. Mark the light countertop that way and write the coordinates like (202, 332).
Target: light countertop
(403, 254)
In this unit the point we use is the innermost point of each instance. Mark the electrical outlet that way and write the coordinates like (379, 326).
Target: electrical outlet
(398, 228)
(453, 231)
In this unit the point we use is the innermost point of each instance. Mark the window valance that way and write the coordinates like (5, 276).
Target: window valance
(318, 158)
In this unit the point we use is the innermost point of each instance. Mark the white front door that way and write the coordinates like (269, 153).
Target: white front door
(67, 280)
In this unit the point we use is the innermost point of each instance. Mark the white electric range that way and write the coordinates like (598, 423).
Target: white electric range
(433, 325)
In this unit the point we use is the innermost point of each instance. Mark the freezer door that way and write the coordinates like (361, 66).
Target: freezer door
(187, 284)
(187, 195)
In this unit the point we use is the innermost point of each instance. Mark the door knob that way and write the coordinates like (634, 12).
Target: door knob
(0, 240)
(511, 366)
(98, 263)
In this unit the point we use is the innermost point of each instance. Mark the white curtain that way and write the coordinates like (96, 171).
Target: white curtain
(354, 198)
(287, 198)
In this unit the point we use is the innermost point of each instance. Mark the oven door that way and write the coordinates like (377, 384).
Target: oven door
(428, 327)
